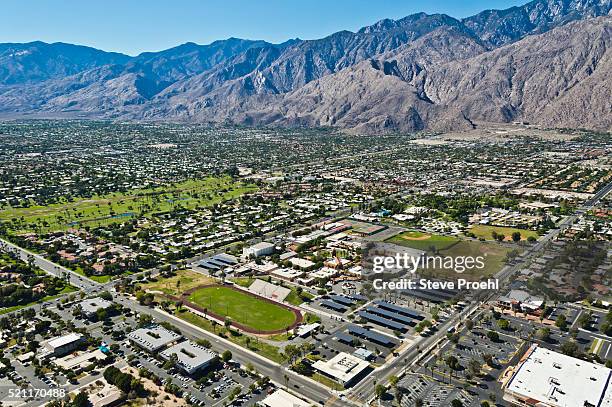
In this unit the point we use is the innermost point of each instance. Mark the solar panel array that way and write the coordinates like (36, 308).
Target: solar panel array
(370, 335)
(357, 297)
(399, 310)
(381, 321)
(342, 337)
(342, 300)
(391, 315)
(333, 305)
(435, 296)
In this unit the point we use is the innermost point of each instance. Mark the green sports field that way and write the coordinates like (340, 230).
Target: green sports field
(243, 308)
(423, 241)
(494, 254)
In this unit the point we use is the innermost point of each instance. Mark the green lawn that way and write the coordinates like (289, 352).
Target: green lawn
(118, 207)
(493, 253)
(260, 347)
(422, 241)
(293, 298)
(179, 283)
(243, 308)
(327, 382)
(485, 231)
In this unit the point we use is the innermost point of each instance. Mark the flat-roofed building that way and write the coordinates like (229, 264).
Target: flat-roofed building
(343, 368)
(60, 345)
(259, 249)
(281, 398)
(190, 357)
(302, 264)
(287, 274)
(153, 338)
(304, 330)
(545, 378)
(90, 307)
(79, 361)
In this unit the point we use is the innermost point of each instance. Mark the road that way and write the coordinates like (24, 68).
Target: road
(51, 268)
(314, 391)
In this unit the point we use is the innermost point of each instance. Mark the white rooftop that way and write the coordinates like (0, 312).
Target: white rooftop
(90, 306)
(189, 355)
(561, 381)
(281, 398)
(342, 367)
(153, 338)
(302, 263)
(262, 246)
(60, 341)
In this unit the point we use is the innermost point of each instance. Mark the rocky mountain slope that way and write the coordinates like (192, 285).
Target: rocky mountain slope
(560, 78)
(546, 61)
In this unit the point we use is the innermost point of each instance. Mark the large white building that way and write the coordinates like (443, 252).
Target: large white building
(189, 356)
(259, 249)
(343, 368)
(153, 338)
(545, 378)
(60, 345)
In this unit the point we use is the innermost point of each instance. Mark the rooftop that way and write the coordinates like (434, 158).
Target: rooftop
(90, 306)
(153, 338)
(190, 356)
(561, 380)
(281, 398)
(342, 367)
(60, 341)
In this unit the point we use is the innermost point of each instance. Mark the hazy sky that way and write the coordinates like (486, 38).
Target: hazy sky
(131, 26)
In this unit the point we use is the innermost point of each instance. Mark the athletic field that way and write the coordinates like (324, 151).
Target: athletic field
(243, 308)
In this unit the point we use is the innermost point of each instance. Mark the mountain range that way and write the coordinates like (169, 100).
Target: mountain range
(546, 62)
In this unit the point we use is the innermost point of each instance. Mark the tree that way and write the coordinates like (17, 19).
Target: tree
(543, 334)
(105, 295)
(380, 391)
(503, 324)
(452, 362)
(516, 237)
(393, 380)
(569, 348)
(493, 336)
(456, 403)
(474, 367)
(81, 400)
(226, 356)
(561, 322)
